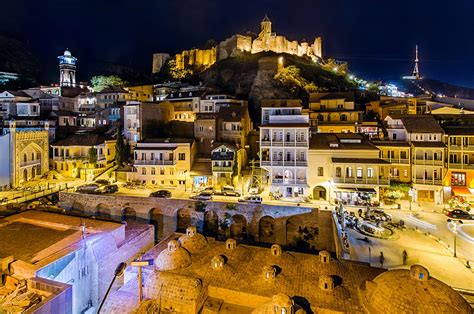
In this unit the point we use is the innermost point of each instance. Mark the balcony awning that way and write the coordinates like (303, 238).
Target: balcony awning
(461, 191)
(354, 189)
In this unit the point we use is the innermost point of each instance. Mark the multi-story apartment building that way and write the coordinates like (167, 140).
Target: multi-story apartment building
(186, 102)
(425, 137)
(345, 167)
(398, 156)
(459, 178)
(234, 125)
(164, 162)
(227, 161)
(83, 155)
(139, 117)
(284, 142)
(333, 113)
(213, 103)
(18, 104)
(24, 154)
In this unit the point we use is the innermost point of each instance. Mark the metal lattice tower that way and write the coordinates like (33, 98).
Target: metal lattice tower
(416, 71)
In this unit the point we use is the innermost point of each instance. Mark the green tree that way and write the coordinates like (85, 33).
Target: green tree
(121, 153)
(100, 82)
(92, 155)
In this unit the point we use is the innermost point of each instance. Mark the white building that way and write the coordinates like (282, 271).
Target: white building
(284, 142)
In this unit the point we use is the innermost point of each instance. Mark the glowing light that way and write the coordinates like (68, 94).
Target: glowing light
(351, 77)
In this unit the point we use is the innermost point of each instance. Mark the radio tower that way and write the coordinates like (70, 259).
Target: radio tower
(416, 72)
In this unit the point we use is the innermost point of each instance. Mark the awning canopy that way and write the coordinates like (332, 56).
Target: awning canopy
(351, 189)
(461, 191)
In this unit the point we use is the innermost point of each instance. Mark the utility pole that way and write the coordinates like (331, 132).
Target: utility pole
(140, 264)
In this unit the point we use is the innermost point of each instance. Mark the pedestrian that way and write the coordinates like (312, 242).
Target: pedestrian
(382, 259)
(405, 257)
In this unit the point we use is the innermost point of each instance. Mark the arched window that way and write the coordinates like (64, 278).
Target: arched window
(349, 172)
(144, 171)
(320, 117)
(33, 156)
(25, 158)
(343, 117)
(338, 172)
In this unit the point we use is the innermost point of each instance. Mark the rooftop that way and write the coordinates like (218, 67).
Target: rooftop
(419, 123)
(341, 141)
(317, 97)
(82, 139)
(171, 140)
(277, 103)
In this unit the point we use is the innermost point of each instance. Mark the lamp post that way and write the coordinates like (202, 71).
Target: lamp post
(454, 224)
(185, 180)
(118, 272)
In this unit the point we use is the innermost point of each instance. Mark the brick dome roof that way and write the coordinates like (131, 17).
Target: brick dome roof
(193, 241)
(174, 257)
(411, 291)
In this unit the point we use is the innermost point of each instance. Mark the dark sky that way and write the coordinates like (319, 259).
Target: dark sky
(376, 37)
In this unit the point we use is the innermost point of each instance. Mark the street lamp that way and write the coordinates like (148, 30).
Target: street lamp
(454, 224)
(118, 272)
(185, 181)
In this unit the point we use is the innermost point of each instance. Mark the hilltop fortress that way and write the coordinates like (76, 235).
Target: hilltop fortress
(236, 44)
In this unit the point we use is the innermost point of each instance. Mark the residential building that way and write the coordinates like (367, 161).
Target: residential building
(284, 143)
(398, 156)
(140, 117)
(425, 137)
(458, 180)
(234, 125)
(112, 95)
(227, 161)
(164, 162)
(185, 100)
(24, 154)
(205, 132)
(213, 103)
(333, 113)
(18, 104)
(83, 155)
(345, 167)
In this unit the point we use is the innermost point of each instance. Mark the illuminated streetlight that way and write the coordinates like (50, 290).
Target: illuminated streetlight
(454, 224)
(118, 272)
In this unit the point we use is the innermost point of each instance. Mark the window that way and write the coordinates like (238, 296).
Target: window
(320, 171)
(25, 158)
(458, 179)
(201, 129)
(340, 106)
(153, 171)
(171, 171)
(144, 171)
(370, 172)
(405, 173)
(343, 117)
(182, 156)
(162, 171)
(394, 136)
(359, 172)
(403, 155)
(465, 159)
(349, 172)
(33, 156)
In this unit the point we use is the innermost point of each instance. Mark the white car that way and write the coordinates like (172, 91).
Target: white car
(228, 190)
(256, 199)
(203, 196)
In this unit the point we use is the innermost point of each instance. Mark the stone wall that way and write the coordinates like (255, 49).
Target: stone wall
(285, 225)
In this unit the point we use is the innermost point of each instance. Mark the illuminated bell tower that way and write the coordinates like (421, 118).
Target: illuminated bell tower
(266, 26)
(67, 69)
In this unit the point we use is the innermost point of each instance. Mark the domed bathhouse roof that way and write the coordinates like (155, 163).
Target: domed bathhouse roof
(193, 241)
(411, 291)
(174, 257)
(280, 303)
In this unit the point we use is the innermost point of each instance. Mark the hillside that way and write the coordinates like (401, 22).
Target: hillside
(253, 77)
(16, 57)
(436, 87)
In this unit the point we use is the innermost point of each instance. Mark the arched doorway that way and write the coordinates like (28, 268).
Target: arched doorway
(102, 211)
(211, 221)
(319, 192)
(183, 219)
(266, 229)
(128, 214)
(77, 208)
(25, 175)
(33, 172)
(238, 227)
(155, 218)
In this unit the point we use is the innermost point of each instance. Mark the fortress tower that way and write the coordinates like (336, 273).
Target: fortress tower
(67, 69)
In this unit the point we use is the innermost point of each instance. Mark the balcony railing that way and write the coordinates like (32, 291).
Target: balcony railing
(428, 162)
(277, 181)
(284, 143)
(154, 162)
(221, 169)
(30, 163)
(461, 147)
(460, 166)
(288, 163)
(397, 160)
(428, 181)
(353, 180)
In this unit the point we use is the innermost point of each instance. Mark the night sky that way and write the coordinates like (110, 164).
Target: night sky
(376, 37)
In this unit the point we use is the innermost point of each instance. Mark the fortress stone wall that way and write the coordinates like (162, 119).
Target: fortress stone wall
(236, 44)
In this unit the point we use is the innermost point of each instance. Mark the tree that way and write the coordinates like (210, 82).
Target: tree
(100, 82)
(121, 150)
(92, 155)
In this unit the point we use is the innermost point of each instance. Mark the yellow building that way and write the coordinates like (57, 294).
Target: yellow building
(24, 154)
(83, 156)
(164, 162)
(141, 92)
(398, 155)
(460, 162)
(345, 167)
(333, 113)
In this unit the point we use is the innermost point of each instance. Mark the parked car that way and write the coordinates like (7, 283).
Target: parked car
(203, 196)
(460, 214)
(257, 199)
(208, 189)
(87, 188)
(228, 190)
(102, 182)
(161, 194)
(380, 214)
(255, 190)
(109, 189)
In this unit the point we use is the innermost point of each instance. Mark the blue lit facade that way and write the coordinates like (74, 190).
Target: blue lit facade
(67, 69)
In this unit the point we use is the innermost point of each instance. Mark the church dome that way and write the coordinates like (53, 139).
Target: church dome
(174, 257)
(67, 53)
(411, 291)
(193, 241)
